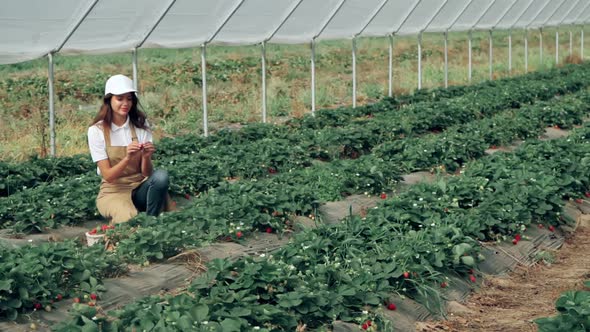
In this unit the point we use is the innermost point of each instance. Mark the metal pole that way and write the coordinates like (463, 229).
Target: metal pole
(446, 34)
(556, 47)
(571, 43)
(491, 56)
(134, 60)
(510, 52)
(469, 48)
(323, 26)
(419, 61)
(204, 65)
(204, 87)
(390, 90)
(263, 59)
(540, 46)
(51, 106)
(353, 72)
(582, 43)
(526, 51)
(313, 76)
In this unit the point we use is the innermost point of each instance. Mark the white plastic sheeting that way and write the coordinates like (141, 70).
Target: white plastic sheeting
(34, 28)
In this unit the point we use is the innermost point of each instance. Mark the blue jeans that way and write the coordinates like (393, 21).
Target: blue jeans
(150, 196)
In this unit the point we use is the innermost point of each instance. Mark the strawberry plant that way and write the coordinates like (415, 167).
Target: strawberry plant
(573, 313)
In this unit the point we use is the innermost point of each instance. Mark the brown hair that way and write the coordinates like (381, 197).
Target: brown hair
(105, 114)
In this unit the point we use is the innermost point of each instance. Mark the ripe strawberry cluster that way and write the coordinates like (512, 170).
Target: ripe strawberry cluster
(103, 229)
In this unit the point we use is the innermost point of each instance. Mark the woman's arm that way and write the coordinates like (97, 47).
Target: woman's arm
(148, 150)
(112, 173)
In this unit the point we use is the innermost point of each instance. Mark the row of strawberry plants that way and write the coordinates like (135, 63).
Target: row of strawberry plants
(19, 176)
(35, 210)
(253, 203)
(465, 142)
(430, 98)
(34, 277)
(348, 271)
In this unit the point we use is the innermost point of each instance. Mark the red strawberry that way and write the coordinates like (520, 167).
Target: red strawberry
(365, 326)
(59, 297)
(515, 241)
(93, 231)
(443, 284)
(239, 234)
(104, 228)
(37, 305)
(579, 200)
(272, 170)
(472, 278)
(517, 237)
(93, 296)
(369, 322)
(187, 196)
(383, 195)
(269, 230)
(91, 304)
(406, 274)
(76, 300)
(552, 228)
(587, 194)
(391, 306)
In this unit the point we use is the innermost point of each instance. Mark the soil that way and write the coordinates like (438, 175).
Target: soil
(512, 302)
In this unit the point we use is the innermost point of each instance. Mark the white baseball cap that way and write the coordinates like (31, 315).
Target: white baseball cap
(118, 85)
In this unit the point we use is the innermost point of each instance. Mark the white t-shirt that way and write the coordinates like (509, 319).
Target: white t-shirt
(120, 136)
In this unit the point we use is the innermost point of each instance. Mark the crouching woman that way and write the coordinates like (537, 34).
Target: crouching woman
(120, 143)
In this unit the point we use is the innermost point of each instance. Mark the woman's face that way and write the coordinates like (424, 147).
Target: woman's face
(121, 105)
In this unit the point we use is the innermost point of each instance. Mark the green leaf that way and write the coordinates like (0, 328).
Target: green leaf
(184, 323)
(23, 293)
(93, 282)
(289, 300)
(11, 314)
(240, 312)
(468, 260)
(85, 275)
(5, 284)
(231, 325)
(89, 325)
(14, 303)
(200, 312)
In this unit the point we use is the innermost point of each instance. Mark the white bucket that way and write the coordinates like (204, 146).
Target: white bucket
(92, 239)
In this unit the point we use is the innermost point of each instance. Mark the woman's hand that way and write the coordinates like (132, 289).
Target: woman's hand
(148, 150)
(133, 149)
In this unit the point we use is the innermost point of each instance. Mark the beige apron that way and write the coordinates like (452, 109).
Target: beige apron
(114, 199)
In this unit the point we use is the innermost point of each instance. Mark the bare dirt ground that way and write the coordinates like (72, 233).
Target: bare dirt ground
(511, 303)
